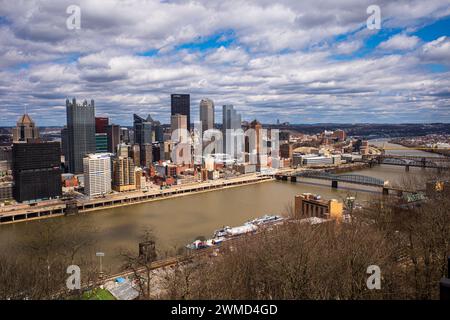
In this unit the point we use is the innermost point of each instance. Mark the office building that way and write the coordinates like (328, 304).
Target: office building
(178, 122)
(36, 171)
(113, 133)
(135, 154)
(6, 191)
(125, 135)
(207, 114)
(97, 174)
(123, 174)
(25, 130)
(80, 133)
(146, 155)
(231, 121)
(101, 143)
(100, 124)
(143, 134)
(181, 104)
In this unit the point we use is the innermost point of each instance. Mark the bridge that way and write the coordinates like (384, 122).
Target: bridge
(334, 178)
(440, 163)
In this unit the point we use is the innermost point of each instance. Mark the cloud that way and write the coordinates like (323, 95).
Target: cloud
(400, 42)
(437, 51)
(271, 60)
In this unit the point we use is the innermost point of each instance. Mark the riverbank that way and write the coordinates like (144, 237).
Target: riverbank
(61, 208)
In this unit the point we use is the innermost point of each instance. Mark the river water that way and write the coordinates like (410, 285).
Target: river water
(178, 221)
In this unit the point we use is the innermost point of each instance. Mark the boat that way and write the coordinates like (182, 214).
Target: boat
(197, 244)
(265, 220)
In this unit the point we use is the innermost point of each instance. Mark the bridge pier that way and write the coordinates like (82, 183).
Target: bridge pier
(334, 184)
(407, 168)
(385, 191)
(293, 179)
(284, 178)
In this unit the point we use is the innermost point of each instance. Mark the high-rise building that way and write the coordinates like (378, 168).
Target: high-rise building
(101, 142)
(135, 154)
(123, 174)
(81, 133)
(207, 114)
(125, 135)
(97, 174)
(181, 104)
(25, 129)
(231, 121)
(113, 133)
(159, 131)
(123, 150)
(146, 155)
(178, 122)
(36, 171)
(143, 134)
(100, 124)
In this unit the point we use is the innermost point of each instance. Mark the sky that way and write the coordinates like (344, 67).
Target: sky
(297, 61)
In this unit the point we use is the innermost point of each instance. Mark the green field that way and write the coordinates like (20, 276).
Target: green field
(98, 294)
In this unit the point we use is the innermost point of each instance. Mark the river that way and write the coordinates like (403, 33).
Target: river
(178, 221)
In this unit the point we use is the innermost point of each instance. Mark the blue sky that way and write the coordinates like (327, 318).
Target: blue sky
(302, 62)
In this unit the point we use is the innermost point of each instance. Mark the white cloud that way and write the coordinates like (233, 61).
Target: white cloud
(400, 42)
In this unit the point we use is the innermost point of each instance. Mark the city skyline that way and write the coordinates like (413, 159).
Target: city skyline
(300, 63)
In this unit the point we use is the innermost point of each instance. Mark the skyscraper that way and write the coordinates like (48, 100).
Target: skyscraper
(113, 134)
(36, 171)
(123, 174)
(100, 124)
(181, 104)
(231, 120)
(178, 122)
(97, 174)
(207, 114)
(81, 133)
(143, 137)
(25, 130)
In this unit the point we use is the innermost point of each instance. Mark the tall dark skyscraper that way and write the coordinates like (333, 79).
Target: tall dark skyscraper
(181, 104)
(81, 133)
(113, 133)
(36, 171)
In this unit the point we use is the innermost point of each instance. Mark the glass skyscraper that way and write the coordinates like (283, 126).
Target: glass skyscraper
(181, 104)
(81, 133)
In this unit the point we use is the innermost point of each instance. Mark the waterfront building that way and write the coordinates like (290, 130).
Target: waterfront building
(113, 133)
(80, 133)
(123, 174)
(6, 190)
(178, 122)
(97, 174)
(25, 130)
(5, 160)
(181, 104)
(207, 114)
(36, 171)
(310, 205)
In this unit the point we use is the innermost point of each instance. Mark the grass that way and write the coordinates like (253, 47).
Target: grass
(98, 294)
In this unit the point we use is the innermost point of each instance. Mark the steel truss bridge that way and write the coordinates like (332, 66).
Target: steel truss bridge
(414, 161)
(347, 178)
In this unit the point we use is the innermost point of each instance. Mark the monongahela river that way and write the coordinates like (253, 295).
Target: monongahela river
(178, 221)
